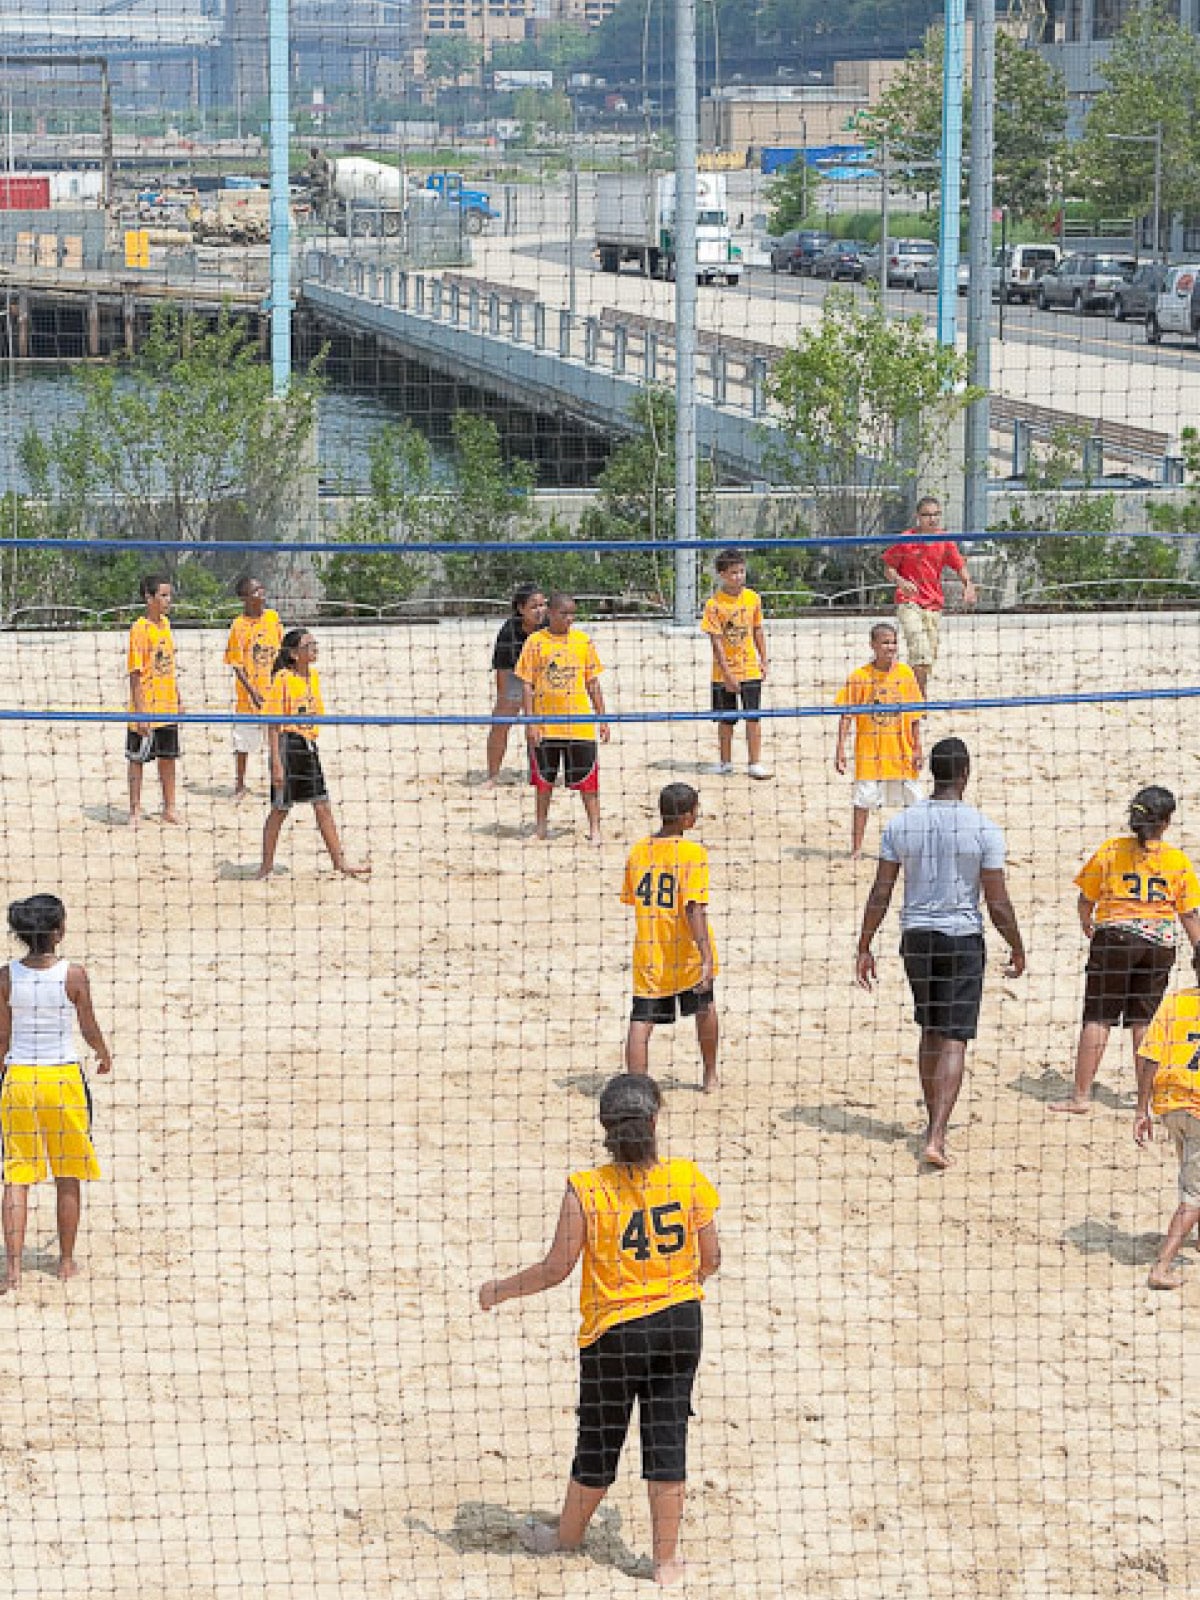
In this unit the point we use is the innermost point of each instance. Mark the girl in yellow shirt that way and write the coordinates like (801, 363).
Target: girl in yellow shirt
(296, 774)
(647, 1233)
(1132, 893)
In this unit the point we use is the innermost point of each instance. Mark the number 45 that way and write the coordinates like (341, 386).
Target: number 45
(668, 1236)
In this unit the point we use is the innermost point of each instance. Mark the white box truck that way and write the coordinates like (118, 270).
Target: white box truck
(635, 221)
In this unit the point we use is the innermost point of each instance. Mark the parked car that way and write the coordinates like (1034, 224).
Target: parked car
(1084, 282)
(794, 252)
(904, 256)
(840, 258)
(1177, 309)
(1139, 296)
(925, 278)
(1017, 269)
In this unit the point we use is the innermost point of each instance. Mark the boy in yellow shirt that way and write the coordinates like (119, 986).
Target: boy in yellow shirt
(887, 744)
(733, 621)
(1168, 1074)
(154, 700)
(560, 676)
(674, 958)
(253, 644)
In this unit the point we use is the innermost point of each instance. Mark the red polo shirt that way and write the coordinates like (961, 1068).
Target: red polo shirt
(923, 564)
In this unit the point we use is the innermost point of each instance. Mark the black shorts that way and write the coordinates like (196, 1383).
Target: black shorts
(652, 1360)
(661, 1008)
(575, 757)
(749, 696)
(945, 974)
(1127, 976)
(303, 780)
(160, 744)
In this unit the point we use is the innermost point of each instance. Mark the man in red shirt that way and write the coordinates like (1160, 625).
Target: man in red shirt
(916, 570)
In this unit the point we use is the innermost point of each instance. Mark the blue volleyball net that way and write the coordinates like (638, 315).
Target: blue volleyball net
(340, 1105)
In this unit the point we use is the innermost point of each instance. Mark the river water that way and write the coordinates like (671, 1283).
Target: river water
(42, 395)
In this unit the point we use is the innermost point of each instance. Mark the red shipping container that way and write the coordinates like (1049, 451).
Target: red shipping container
(30, 193)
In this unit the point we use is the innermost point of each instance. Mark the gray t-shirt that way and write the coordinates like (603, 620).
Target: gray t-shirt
(943, 846)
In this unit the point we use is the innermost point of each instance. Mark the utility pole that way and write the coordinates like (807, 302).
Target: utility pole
(686, 147)
(884, 177)
(281, 241)
(977, 439)
(950, 221)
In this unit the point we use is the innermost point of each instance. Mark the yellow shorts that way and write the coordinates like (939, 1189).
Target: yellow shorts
(45, 1120)
(920, 628)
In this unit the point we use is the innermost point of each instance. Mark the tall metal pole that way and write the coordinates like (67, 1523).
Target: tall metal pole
(1158, 166)
(953, 66)
(884, 220)
(281, 242)
(979, 288)
(686, 146)
(106, 137)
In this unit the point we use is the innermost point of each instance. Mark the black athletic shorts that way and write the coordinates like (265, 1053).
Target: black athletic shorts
(160, 744)
(749, 696)
(661, 1008)
(652, 1360)
(945, 974)
(1127, 976)
(303, 780)
(576, 758)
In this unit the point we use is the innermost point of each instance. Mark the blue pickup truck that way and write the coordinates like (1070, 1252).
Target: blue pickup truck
(474, 204)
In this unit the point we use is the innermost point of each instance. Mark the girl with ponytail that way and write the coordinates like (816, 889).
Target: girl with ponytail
(647, 1233)
(1134, 894)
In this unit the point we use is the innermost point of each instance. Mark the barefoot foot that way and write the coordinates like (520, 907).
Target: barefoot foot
(934, 1156)
(711, 1082)
(1164, 1278)
(172, 819)
(668, 1573)
(347, 871)
(539, 1538)
(67, 1269)
(1075, 1107)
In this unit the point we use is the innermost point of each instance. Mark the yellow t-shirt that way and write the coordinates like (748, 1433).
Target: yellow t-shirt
(151, 655)
(733, 619)
(883, 740)
(1173, 1041)
(292, 694)
(253, 645)
(662, 876)
(642, 1251)
(560, 666)
(1129, 882)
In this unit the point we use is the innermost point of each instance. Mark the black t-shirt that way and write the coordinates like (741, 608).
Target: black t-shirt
(510, 641)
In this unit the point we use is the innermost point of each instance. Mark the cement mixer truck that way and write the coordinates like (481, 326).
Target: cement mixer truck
(358, 196)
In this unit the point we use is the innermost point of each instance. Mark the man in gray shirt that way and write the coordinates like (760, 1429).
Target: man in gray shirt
(949, 852)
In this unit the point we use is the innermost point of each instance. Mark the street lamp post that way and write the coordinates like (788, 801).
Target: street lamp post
(1155, 139)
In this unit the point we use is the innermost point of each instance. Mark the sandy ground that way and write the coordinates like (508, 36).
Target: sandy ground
(338, 1107)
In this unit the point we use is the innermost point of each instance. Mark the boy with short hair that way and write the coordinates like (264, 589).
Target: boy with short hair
(560, 673)
(916, 570)
(153, 698)
(674, 957)
(1167, 1061)
(887, 744)
(253, 644)
(733, 621)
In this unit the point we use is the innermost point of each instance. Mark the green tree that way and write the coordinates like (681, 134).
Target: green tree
(450, 57)
(490, 500)
(1152, 78)
(541, 110)
(864, 405)
(1030, 124)
(185, 442)
(401, 507)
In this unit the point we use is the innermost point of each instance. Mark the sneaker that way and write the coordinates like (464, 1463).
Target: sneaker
(757, 770)
(719, 769)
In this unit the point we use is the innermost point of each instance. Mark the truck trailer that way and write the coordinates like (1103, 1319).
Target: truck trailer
(635, 221)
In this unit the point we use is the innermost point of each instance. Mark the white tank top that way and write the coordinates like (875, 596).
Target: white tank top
(43, 1018)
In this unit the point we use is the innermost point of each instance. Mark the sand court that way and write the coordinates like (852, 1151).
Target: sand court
(338, 1107)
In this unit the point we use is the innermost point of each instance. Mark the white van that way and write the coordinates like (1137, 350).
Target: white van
(1177, 309)
(1016, 269)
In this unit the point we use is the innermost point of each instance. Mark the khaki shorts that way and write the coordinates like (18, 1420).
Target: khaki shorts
(1184, 1129)
(920, 628)
(894, 794)
(248, 738)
